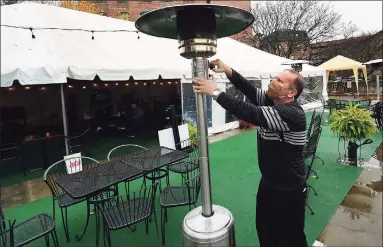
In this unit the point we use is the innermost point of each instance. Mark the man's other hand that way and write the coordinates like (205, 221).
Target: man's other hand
(203, 86)
(219, 67)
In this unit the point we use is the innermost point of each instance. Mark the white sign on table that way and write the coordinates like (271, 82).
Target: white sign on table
(166, 138)
(73, 163)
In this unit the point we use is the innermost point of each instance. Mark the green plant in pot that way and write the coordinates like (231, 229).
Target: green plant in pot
(192, 129)
(353, 124)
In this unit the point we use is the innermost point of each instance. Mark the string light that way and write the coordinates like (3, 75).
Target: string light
(145, 83)
(94, 84)
(154, 83)
(169, 82)
(43, 88)
(117, 84)
(106, 85)
(84, 87)
(72, 29)
(27, 88)
(11, 89)
(136, 83)
(127, 84)
(70, 86)
(161, 84)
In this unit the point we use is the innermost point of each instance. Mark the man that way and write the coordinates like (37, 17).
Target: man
(137, 113)
(280, 206)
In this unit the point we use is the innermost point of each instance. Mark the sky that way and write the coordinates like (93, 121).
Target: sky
(366, 15)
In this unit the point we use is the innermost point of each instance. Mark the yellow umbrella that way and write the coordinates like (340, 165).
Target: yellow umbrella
(343, 63)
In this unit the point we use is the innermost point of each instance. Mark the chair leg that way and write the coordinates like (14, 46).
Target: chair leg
(108, 234)
(311, 187)
(322, 161)
(64, 217)
(54, 238)
(312, 213)
(165, 215)
(146, 226)
(78, 238)
(46, 236)
(157, 228)
(53, 207)
(162, 227)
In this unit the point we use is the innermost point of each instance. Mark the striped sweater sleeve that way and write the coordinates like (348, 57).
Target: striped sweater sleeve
(269, 117)
(255, 95)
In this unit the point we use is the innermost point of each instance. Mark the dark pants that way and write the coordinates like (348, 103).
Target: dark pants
(280, 217)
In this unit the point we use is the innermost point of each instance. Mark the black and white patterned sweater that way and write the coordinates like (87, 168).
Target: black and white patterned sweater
(281, 131)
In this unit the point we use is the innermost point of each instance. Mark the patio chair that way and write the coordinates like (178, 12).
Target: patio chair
(14, 235)
(186, 165)
(315, 125)
(78, 141)
(57, 170)
(311, 124)
(377, 114)
(177, 196)
(125, 211)
(310, 154)
(122, 151)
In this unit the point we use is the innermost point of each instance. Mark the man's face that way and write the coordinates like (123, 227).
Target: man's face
(281, 86)
(133, 105)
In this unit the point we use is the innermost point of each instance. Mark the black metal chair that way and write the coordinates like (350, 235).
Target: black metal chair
(377, 114)
(310, 154)
(14, 235)
(57, 170)
(311, 124)
(177, 196)
(186, 165)
(125, 211)
(78, 141)
(315, 124)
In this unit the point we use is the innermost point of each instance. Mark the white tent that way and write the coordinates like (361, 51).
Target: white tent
(54, 55)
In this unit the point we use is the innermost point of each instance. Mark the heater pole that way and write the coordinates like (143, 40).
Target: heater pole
(64, 112)
(200, 69)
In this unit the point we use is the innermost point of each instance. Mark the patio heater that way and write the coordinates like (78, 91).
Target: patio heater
(376, 65)
(296, 65)
(197, 27)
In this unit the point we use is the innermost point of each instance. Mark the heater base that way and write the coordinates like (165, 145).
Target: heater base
(216, 230)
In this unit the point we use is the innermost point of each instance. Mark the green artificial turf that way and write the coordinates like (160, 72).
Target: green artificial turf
(235, 176)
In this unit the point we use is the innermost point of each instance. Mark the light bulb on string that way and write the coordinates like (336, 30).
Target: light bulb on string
(126, 84)
(43, 88)
(136, 83)
(117, 84)
(84, 87)
(145, 83)
(28, 87)
(161, 84)
(70, 86)
(106, 85)
(169, 82)
(33, 35)
(11, 89)
(154, 83)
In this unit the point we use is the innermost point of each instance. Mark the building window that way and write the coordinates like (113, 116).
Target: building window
(124, 15)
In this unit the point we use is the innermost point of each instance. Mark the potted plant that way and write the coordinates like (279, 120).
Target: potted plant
(353, 124)
(192, 129)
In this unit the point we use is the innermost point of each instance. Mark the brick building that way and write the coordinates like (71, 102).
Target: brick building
(131, 10)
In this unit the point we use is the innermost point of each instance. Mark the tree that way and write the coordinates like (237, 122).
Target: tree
(286, 28)
(85, 6)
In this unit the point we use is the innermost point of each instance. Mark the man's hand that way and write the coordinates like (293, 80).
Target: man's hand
(220, 67)
(203, 86)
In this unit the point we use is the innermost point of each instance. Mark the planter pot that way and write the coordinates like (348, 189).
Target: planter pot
(352, 153)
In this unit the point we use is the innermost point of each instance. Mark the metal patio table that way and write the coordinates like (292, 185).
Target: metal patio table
(88, 183)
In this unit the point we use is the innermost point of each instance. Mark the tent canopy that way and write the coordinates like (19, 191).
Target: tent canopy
(55, 55)
(339, 63)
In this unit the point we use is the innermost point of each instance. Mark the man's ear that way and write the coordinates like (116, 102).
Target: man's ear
(292, 94)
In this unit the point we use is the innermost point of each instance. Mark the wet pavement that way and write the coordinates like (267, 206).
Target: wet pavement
(359, 219)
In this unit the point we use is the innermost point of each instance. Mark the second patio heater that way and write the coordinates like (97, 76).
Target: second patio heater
(197, 27)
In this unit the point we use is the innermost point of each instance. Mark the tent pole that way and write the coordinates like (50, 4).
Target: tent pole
(64, 111)
(378, 86)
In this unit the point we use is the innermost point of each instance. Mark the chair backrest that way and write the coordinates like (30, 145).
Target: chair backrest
(186, 146)
(309, 131)
(59, 169)
(311, 147)
(193, 183)
(127, 209)
(124, 150)
(316, 123)
(6, 230)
